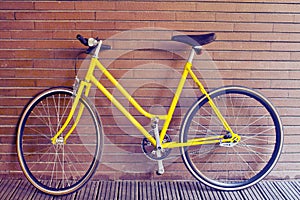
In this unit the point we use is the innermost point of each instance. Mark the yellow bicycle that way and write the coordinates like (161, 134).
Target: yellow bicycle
(230, 138)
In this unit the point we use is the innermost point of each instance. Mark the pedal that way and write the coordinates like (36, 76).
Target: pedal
(161, 168)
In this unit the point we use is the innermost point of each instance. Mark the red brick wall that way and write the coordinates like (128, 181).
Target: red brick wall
(258, 46)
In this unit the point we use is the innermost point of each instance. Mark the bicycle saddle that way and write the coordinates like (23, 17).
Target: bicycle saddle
(195, 40)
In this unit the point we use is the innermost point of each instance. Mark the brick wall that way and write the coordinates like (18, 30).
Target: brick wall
(257, 46)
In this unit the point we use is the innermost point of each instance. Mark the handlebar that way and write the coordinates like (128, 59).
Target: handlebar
(92, 43)
(83, 40)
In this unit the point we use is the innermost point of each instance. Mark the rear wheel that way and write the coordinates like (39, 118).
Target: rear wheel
(59, 168)
(240, 165)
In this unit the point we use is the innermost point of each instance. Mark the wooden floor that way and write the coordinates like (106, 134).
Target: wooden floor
(150, 190)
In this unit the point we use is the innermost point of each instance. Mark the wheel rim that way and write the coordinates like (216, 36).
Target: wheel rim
(60, 168)
(245, 163)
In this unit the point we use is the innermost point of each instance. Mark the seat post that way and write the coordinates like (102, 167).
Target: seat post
(192, 54)
(195, 50)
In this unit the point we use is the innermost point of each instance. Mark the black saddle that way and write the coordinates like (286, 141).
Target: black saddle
(195, 40)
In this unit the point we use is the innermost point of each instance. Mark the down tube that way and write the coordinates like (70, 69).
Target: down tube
(123, 110)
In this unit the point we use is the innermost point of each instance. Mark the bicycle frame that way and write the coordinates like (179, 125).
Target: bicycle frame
(84, 89)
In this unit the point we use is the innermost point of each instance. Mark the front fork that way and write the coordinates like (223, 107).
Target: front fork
(82, 87)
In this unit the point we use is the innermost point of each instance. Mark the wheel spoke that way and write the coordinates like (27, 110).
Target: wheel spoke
(240, 165)
(58, 168)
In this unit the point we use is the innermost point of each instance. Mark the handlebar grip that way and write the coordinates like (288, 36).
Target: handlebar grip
(82, 39)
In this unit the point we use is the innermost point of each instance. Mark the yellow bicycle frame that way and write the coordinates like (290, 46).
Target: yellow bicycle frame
(84, 88)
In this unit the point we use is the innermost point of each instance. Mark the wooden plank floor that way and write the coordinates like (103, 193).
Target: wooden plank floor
(151, 190)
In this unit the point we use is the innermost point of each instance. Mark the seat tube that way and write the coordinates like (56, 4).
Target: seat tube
(180, 86)
(178, 92)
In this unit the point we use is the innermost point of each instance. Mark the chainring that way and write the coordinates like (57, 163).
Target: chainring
(150, 150)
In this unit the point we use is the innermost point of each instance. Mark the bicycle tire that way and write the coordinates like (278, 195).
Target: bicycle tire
(58, 169)
(251, 116)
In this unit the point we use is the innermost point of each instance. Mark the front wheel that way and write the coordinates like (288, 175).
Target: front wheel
(236, 166)
(59, 168)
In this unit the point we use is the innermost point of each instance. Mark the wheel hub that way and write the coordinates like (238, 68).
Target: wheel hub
(60, 141)
(233, 140)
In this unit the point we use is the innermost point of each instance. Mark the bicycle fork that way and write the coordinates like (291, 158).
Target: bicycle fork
(83, 87)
